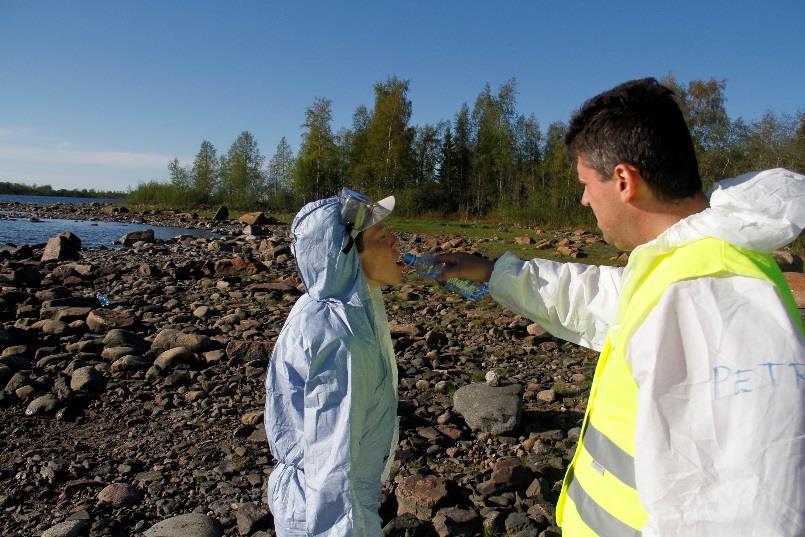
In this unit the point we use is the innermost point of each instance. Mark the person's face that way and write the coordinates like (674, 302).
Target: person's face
(381, 250)
(601, 194)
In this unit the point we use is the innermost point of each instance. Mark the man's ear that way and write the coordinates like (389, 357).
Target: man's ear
(628, 181)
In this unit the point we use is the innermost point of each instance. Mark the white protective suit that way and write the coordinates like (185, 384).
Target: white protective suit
(331, 390)
(720, 366)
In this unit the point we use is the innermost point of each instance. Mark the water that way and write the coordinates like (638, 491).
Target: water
(52, 200)
(20, 230)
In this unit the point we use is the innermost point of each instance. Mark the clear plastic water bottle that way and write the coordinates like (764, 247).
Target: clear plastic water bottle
(427, 267)
(103, 299)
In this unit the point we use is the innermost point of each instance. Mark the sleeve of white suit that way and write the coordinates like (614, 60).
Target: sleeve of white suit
(720, 438)
(328, 423)
(572, 301)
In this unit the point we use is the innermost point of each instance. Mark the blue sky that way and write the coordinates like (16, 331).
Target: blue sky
(103, 94)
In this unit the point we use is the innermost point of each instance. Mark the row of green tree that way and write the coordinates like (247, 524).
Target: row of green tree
(20, 189)
(487, 159)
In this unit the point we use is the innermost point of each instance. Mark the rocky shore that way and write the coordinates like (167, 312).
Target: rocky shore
(131, 390)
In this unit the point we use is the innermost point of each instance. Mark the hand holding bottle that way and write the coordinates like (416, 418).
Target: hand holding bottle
(427, 266)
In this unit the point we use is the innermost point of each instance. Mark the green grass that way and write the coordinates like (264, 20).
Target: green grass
(501, 239)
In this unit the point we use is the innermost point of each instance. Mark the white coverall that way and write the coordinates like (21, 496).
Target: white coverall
(720, 366)
(331, 390)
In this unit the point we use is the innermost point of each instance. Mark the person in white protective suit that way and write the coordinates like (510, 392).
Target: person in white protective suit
(331, 385)
(695, 424)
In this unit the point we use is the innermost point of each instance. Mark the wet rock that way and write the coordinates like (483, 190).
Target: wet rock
(129, 239)
(188, 525)
(487, 408)
(62, 247)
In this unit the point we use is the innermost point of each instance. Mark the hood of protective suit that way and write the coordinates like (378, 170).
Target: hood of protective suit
(760, 211)
(319, 235)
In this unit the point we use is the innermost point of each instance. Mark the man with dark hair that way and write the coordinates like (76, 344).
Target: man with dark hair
(694, 426)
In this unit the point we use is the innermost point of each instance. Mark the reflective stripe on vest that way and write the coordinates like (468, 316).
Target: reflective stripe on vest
(598, 495)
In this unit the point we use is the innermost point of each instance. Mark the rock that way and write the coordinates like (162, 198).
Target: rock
(523, 240)
(492, 378)
(221, 214)
(68, 528)
(536, 330)
(123, 338)
(130, 362)
(87, 379)
(171, 357)
(249, 351)
(788, 261)
(258, 218)
(407, 525)
(119, 495)
(188, 525)
(547, 396)
(454, 521)
(487, 408)
(102, 319)
(253, 230)
(250, 517)
(408, 330)
(508, 473)
(62, 247)
(129, 239)
(170, 338)
(239, 266)
(44, 404)
(420, 495)
(53, 328)
(519, 524)
(252, 419)
(796, 281)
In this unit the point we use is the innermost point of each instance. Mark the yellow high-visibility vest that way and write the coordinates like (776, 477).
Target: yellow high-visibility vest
(598, 497)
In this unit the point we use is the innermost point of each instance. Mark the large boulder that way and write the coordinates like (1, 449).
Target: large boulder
(62, 247)
(488, 408)
(147, 235)
(258, 218)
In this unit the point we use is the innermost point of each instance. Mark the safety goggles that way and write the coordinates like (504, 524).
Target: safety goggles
(360, 213)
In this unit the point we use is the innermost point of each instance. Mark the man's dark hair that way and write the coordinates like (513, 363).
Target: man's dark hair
(638, 123)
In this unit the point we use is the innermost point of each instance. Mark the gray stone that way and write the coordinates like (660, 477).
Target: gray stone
(188, 525)
(87, 378)
(69, 528)
(171, 357)
(44, 404)
(488, 408)
(119, 495)
(61, 247)
(118, 337)
(250, 517)
(170, 338)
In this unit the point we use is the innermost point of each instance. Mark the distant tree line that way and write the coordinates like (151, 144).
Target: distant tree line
(488, 159)
(19, 189)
